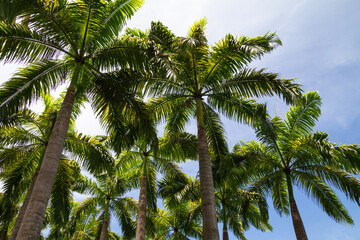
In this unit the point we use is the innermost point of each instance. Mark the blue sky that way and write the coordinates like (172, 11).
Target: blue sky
(321, 48)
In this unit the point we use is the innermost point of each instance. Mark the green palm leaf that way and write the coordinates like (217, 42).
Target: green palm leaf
(324, 196)
(30, 82)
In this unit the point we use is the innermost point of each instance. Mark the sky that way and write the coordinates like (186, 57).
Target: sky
(321, 49)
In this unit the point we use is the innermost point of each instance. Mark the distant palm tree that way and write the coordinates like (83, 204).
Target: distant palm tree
(290, 154)
(83, 225)
(237, 207)
(64, 41)
(80, 226)
(198, 81)
(160, 156)
(180, 222)
(182, 216)
(106, 194)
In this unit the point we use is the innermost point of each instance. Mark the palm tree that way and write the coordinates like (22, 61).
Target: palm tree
(158, 156)
(197, 80)
(83, 225)
(21, 159)
(290, 154)
(181, 222)
(182, 215)
(237, 207)
(62, 40)
(26, 142)
(106, 195)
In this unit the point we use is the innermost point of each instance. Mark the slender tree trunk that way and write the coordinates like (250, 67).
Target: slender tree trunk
(225, 228)
(225, 234)
(207, 190)
(141, 218)
(34, 216)
(4, 233)
(297, 223)
(104, 230)
(295, 214)
(20, 217)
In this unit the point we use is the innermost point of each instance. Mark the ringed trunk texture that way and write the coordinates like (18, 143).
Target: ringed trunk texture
(225, 234)
(34, 216)
(295, 214)
(225, 228)
(297, 223)
(207, 190)
(20, 217)
(141, 219)
(104, 230)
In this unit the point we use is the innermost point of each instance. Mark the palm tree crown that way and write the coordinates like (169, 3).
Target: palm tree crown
(198, 80)
(290, 154)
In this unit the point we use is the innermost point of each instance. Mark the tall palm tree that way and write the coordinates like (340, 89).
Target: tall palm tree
(199, 80)
(26, 142)
(107, 195)
(21, 159)
(237, 207)
(158, 156)
(290, 154)
(64, 41)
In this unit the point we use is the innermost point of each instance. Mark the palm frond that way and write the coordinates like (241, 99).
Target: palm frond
(116, 13)
(61, 196)
(12, 10)
(20, 44)
(94, 156)
(258, 83)
(181, 113)
(323, 195)
(242, 110)
(125, 52)
(165, 107)
(161, 35)
(121, 209)
(344, 181)
(302, 117)
(215, 130)
(30, 82)
(178, 146)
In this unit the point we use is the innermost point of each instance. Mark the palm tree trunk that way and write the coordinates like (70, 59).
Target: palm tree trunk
(141, 219)
(20, 217)
(104, 230)
(207, 190)
(225, 228)
(34, 216)
(295, 214)
(225, 234)
(4, 234)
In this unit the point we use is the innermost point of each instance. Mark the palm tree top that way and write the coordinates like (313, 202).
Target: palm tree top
(290, 153)
(59, 35)
(199, 70)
